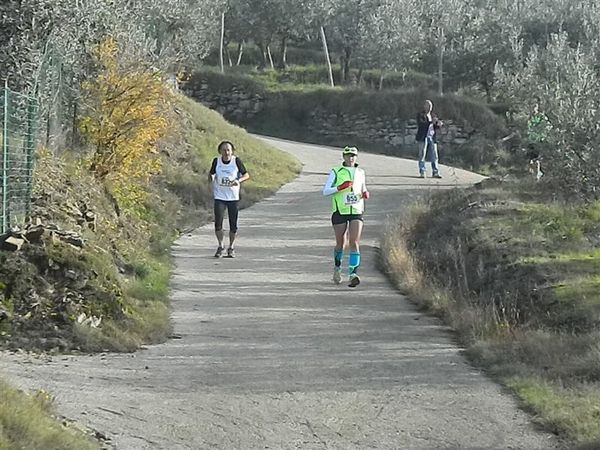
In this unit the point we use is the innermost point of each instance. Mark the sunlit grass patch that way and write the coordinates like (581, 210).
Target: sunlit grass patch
(559, 220)
(150, 280)
(575, 411)
(592, 212)
(586, 262)
(26, 423)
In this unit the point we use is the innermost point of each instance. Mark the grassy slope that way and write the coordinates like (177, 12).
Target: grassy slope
(126, 260)
(517, 276)
(25, 423)
(204, 129)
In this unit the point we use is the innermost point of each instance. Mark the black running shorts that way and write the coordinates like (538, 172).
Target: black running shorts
(338, 219)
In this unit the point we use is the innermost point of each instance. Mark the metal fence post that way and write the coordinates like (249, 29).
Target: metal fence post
(5, 217)
(29, 154)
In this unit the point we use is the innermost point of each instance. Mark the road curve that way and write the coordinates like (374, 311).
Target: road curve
(269, 354)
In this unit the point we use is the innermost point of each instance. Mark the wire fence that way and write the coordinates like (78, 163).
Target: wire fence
(18, 117)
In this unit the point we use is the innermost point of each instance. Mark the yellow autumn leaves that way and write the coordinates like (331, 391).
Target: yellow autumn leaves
(128, 115)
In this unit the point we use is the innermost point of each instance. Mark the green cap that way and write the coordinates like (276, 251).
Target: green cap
(350, 151)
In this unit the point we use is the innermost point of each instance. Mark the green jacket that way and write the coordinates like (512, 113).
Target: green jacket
(538, 127)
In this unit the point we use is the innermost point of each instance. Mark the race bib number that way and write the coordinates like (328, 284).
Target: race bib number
(351, 199)
(226, 181)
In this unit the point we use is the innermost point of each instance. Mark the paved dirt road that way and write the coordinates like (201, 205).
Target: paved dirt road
(271, 355)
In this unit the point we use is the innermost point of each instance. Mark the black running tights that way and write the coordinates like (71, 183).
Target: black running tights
(232, 212)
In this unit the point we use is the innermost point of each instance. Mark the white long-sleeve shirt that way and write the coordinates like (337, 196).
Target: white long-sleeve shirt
(359, 182)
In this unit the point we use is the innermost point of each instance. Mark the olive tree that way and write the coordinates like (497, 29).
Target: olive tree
(390, 38)
(563, 79)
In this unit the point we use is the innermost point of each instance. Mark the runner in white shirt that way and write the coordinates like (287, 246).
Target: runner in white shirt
(226, 174)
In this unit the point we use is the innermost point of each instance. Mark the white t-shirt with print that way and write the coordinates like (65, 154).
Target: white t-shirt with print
(225, 184)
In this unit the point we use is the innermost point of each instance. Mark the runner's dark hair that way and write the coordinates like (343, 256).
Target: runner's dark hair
(224, 143)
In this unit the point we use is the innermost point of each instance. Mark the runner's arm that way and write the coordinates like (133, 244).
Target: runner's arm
(212, 171)
(330, 187)
(242, 170)
(364, 191)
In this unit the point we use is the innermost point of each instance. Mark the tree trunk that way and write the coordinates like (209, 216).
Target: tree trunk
(441, 45)
(324, 39)
(346, 64)
(263, 52)
(381, 75)
(47, 136)
(487, 87)
(283, 62)
(270, 57)
(74, 127)
(240, 51)
(221, 42)
(227, 53)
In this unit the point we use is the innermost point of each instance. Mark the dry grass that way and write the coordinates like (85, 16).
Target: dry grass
(517, 278)
(26, 423)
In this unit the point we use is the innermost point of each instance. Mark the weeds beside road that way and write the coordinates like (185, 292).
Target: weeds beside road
(516, 274)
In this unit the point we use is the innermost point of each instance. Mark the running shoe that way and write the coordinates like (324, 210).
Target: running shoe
(437, 175)
(230, 253)
(219, 252)
(337, 275)
(354, 280)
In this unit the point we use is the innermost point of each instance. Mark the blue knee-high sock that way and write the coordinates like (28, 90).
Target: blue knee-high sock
(338, 256)
(354, 262)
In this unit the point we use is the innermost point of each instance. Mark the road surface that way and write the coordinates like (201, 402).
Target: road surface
(269, 354)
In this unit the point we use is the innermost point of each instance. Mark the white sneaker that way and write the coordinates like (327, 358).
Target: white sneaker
(353, 281)
(337, 275)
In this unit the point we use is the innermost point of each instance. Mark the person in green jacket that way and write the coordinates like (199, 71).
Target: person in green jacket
(347, 187)
(538, 128)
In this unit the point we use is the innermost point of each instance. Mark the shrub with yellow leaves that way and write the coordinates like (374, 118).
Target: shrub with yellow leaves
(128, 115)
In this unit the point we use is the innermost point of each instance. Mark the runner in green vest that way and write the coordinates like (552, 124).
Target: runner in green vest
(348, 190)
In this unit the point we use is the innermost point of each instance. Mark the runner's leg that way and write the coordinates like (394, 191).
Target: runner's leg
(354, 234)
(338, 252)
(232, 212)
(219, 210)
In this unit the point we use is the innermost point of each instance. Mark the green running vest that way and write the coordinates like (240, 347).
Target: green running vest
(347, 201)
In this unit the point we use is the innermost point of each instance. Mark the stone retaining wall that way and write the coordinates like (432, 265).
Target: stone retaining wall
(240, 107)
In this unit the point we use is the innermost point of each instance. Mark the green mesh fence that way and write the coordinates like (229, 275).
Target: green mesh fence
(18, 116)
